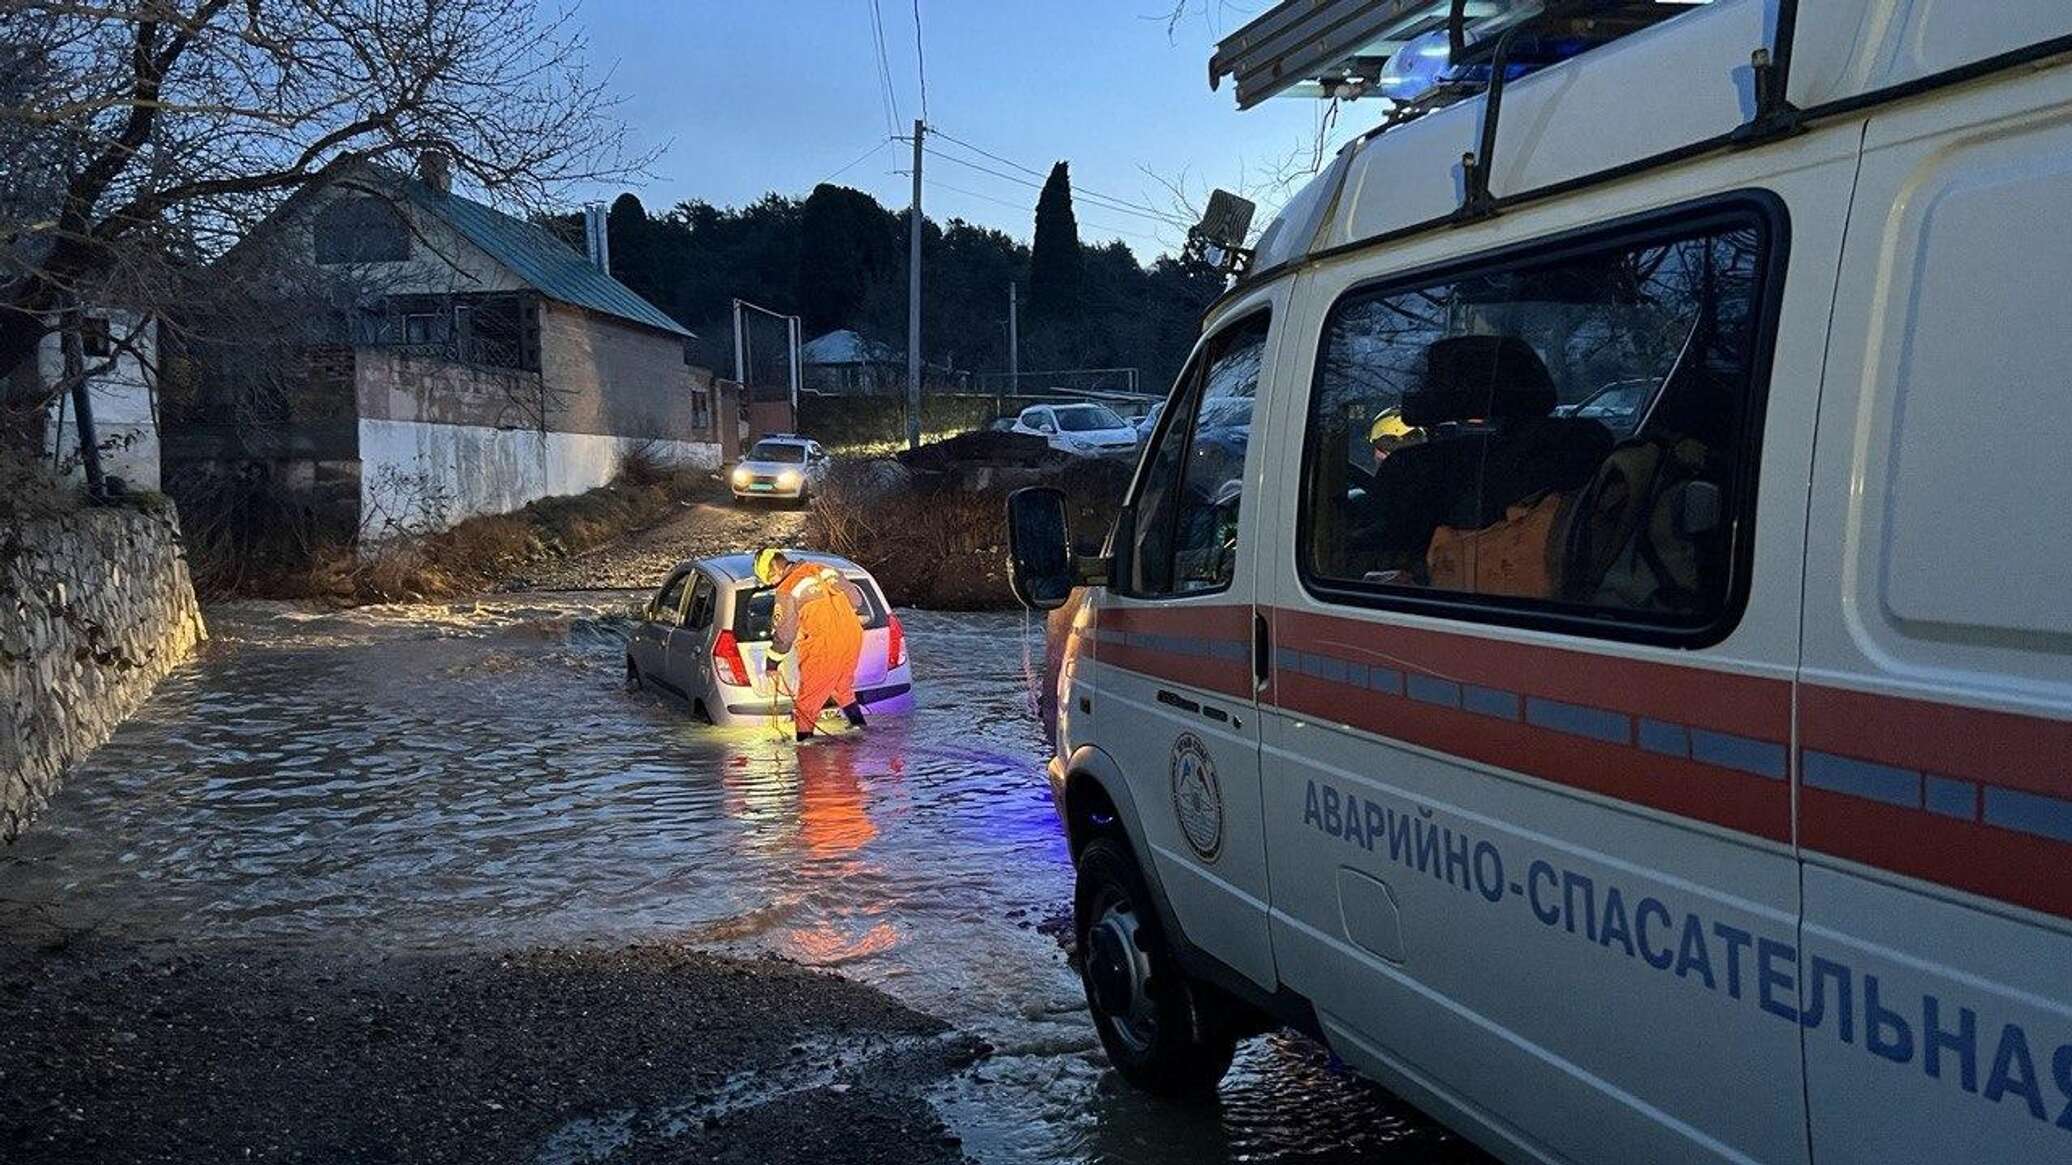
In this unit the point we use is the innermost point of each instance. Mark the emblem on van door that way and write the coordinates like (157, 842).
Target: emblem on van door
(1197, 801)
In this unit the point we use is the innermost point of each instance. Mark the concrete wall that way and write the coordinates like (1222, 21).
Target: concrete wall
(440, 441)
(416, 476)
(610, 376)
(95, 608)
(125, 416)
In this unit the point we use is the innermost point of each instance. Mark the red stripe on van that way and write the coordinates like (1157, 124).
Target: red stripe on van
(1233, 680)
(1222, 623)
(1995, 748)
(1738, 801)
(1749, 706)
(1996, 863)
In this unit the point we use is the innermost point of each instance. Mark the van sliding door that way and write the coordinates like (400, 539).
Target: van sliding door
(1935, 712)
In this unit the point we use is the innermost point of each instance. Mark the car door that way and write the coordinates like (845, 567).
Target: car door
(1529, 808)
(650, 643)
(1175, 660)
(690, 643)
(1935, 706)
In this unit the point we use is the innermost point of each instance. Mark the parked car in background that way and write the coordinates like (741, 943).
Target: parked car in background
(1088, 430)
(704, 636)
(1618, 406)
(781, 465)
(1149, 421)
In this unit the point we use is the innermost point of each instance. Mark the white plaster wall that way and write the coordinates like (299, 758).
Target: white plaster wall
(417, 476)
(123, 408)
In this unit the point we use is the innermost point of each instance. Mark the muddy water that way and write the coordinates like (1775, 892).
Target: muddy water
(473, 775)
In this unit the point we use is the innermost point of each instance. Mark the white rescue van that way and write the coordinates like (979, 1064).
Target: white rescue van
(1619, 696)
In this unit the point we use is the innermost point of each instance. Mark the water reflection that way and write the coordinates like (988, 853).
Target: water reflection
(475, 775)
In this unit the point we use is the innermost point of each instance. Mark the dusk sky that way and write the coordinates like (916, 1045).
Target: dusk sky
(757, 97)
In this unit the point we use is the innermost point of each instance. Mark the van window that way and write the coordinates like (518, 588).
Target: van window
(1572, 432)
(1185, 538)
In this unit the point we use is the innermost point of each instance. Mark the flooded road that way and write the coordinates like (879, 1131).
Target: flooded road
(474, 777)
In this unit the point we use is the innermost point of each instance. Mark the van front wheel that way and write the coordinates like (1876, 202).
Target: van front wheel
(1152, 1020)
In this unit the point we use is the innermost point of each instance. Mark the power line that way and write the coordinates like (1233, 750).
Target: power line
(1097, 201)
(888, 96)
(920, 61)
(860, 159)
(1120, 203)
(1026, 209)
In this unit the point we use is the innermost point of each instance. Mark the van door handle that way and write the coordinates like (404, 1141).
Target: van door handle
(1262, 651)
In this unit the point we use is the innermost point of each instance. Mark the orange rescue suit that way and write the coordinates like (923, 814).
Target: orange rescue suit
(817, 614)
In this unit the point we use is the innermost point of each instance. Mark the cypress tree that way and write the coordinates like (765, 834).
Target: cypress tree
(1055, 263)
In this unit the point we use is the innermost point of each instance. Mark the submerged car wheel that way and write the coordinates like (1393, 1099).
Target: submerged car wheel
(1151, 1018)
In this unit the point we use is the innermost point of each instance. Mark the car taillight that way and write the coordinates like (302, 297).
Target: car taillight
(895, 644)
(726, 656)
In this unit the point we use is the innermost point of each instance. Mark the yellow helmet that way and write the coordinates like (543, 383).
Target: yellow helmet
(766, 564)
(1388, 426)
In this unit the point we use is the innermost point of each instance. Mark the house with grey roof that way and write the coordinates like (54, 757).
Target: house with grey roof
(476, 362)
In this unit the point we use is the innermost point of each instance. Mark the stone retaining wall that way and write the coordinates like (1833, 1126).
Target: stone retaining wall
(95, 608)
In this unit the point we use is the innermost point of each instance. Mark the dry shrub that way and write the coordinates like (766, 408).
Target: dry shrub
(939, 539)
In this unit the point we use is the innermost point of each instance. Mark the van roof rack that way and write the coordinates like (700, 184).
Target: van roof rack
(1338, 48)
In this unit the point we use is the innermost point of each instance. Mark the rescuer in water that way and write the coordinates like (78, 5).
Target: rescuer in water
(817, 616)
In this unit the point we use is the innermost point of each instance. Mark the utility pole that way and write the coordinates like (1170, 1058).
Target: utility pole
(1014, 338)
(914, 299)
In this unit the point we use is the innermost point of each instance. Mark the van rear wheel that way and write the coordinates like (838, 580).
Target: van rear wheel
(1159, 1029)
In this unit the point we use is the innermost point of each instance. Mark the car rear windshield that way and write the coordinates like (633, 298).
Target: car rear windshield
(778, 451)
(1087, 418)
(755, 610)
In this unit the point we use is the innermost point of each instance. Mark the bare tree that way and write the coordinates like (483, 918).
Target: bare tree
(144, 137)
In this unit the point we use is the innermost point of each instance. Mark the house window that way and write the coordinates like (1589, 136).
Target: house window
(361, 230)
(701, 407)
(420, 328)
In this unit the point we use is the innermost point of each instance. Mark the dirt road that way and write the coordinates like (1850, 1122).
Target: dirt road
(713, 525)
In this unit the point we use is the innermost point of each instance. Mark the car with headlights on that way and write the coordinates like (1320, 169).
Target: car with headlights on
(781, 465)
(704, 636)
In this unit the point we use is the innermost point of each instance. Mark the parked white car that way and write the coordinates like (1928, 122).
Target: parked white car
(781, 465)
(704, 636)
(1087, 430)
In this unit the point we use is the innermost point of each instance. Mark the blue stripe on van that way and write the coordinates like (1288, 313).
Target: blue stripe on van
(1728, 751)
(1579, 720)
(1862, 778)
(2029, 813)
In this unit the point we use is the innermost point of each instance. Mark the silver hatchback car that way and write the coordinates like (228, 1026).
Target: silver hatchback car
(703, 637)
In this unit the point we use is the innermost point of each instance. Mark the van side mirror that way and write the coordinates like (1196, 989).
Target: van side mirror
(1041, 568)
